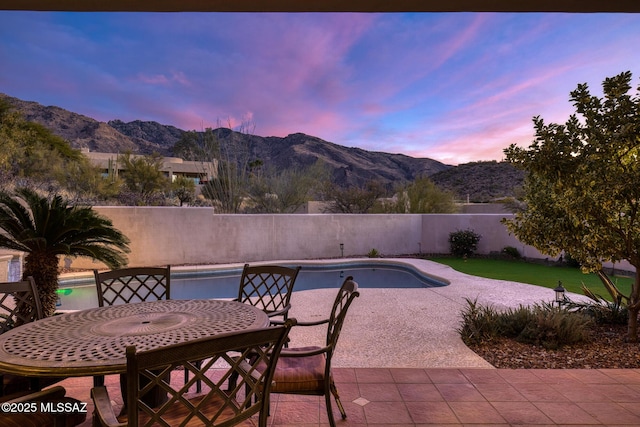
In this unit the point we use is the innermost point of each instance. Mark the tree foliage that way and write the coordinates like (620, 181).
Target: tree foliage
(581, 190)
(285, 191)
(184, 189)
(47, 227)
(32, 155)
(229, 182)
(353, 199)
(423, 196)
(144, 178)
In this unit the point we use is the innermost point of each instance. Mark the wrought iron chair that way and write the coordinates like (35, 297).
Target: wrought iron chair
(65, 411)
(130, 285)
(268, 287)
(135, 284)
(217, 405)
(307, 370)
(20, 304)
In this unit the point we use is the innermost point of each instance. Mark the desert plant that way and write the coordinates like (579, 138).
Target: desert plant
(541, 324)
(601, 309)
(463, 243)
(48, 227)
(511, 251)
(479, 323)
(373, 253)
(553, 327)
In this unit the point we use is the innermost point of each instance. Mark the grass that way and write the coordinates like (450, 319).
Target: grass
(534, 274)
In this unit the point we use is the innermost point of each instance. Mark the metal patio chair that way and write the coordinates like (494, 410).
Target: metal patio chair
(268, 287)
(135, 284)
(216, 405)
(307, 370)
(131, 285)
(20, 304)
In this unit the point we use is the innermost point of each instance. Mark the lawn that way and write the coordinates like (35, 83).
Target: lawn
(535, 274)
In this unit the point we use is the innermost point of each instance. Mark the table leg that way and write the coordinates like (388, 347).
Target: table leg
(154, 398)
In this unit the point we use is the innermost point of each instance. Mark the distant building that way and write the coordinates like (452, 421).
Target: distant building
(199, 172)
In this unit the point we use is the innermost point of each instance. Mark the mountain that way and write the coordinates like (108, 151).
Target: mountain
(476, 182)
(349, 166)
(481, 182)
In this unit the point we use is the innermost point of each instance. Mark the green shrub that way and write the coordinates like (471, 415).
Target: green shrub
(553, 327)
(544, 324)
(603, 311)
(479, 323)
(463, 243)
(373, 253)
(513, 321)
(512, 252)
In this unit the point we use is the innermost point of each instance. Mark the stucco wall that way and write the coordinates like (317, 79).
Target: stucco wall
(174, 235)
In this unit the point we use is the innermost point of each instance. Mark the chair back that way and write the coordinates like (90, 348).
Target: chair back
(19, 304)
(208, 359)
(268, 287)
(347, 293)
(135, 284)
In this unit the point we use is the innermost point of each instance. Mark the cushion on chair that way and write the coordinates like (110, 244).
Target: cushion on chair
(299, 374)
(179, 411)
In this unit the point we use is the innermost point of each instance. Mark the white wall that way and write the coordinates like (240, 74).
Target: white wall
(174, 235)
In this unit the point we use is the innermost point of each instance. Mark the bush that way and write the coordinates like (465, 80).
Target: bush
(512, 252)
(554, 327)
(479, 323)
(463, 243)
(546, 325)
(373, 253)
(603, 311)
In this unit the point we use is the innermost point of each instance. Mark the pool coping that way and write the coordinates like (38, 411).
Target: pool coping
(404, 264)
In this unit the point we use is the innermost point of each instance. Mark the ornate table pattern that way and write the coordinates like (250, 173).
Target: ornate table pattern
(93, 342)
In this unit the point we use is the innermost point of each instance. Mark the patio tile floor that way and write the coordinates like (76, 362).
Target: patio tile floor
(382, 397)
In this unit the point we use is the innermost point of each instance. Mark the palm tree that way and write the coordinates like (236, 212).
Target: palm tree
(48, 227)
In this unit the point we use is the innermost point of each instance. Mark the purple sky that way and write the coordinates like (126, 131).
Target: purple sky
(455, 87)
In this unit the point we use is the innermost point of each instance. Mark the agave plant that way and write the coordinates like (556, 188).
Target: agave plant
(600, 308)
(46, 228)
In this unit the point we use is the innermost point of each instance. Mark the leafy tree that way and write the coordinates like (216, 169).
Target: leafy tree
(30, 151)
(353, 199)
(189, 146)
(48, 227)
(184, 189)
(284, 191)
(423, 196)
(32, 155)
(143, 177)
(581, 190)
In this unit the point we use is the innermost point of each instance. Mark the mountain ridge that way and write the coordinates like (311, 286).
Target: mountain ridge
(348, 165)
(476, 181)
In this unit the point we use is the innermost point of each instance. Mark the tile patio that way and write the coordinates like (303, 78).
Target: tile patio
(393, 397)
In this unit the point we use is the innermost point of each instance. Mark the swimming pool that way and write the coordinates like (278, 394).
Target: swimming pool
(79, 293)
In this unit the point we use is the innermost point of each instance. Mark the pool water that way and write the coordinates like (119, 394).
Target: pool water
(224, 284)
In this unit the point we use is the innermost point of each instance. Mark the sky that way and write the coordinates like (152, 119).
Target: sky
(454, 87)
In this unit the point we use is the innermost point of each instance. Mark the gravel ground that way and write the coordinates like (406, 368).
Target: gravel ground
(607, 349)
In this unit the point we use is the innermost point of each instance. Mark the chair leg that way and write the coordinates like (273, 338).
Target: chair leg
(334, 391)
(327, 398)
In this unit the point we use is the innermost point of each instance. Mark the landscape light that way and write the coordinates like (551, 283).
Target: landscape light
(561, 298)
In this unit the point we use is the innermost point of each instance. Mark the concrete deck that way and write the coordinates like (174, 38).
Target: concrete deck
(400, 362)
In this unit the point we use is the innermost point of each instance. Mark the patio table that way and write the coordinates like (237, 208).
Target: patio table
(93, 342)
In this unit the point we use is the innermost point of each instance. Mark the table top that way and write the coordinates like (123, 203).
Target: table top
(93, 342)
